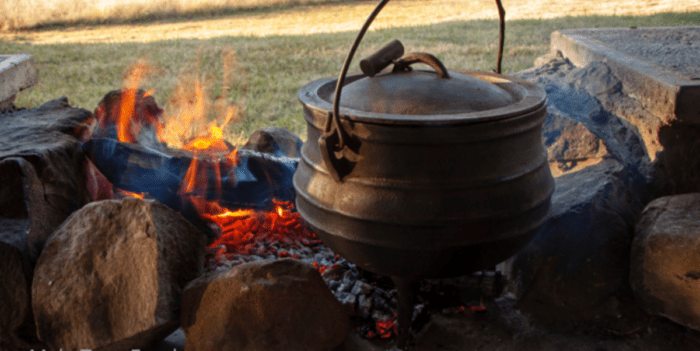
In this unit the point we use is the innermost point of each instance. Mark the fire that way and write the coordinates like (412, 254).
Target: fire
(243, 227)
(188, 124)
(382, 328)
(133, 194)
(129, 121)
(387, 328)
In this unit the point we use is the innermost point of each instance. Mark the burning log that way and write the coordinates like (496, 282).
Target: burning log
(206, 178)
(253, 181)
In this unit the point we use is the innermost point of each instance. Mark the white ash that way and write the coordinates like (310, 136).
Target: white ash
(364, 306)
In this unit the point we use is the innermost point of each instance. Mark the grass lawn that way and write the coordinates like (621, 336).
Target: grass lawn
(270, 70)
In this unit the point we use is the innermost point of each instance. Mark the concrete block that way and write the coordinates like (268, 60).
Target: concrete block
(658, 65)
(17, 72)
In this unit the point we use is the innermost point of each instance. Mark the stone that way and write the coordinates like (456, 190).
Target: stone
(41, 183)
(282, 304)
(658, 65)
(111, 277)
(8, 105)
(659, 94)
(583, 96)
(14, 293)
(580, 257)
(23, 192)
(678, 166)
(47, 137)
(23, 232)
(596, 78)
(570, 145)
(664, 263)
(17, 72)
(173, 342)
(276, 141)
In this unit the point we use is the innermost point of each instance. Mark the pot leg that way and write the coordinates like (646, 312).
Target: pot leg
(406, 288)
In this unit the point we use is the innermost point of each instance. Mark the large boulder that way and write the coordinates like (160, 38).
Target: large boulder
(281, 304)
(665, 259)
(41, 183)
(111, 277)
(584, 95)
(580, 257)
(23, 231)
(669, 145)
(47, 137)
(14, 293)
(579, 260)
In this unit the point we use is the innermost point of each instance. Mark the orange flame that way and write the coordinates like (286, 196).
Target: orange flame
(126, 128)
(132, 194)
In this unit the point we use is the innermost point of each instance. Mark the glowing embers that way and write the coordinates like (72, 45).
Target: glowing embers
(383, 329)
(243, 229)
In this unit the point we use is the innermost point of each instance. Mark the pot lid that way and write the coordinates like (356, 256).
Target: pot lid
(421, 92)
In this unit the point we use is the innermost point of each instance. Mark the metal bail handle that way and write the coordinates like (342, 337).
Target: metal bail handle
(332, 144)
(334, 137)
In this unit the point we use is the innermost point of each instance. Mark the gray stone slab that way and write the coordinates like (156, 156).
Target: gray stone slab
(658, 65)
(17, 72)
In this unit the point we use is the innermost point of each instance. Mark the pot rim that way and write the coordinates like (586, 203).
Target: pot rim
(529, 97)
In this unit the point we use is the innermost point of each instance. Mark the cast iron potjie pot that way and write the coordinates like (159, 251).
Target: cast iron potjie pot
(422, 173)
(443, 175)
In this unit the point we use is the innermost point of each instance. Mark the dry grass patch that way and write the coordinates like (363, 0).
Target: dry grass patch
(349, 16)
(19, 14)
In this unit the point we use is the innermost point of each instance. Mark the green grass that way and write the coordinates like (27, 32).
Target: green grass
(272, 69)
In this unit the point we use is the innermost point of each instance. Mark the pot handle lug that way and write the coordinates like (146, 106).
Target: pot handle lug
(404, 63)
